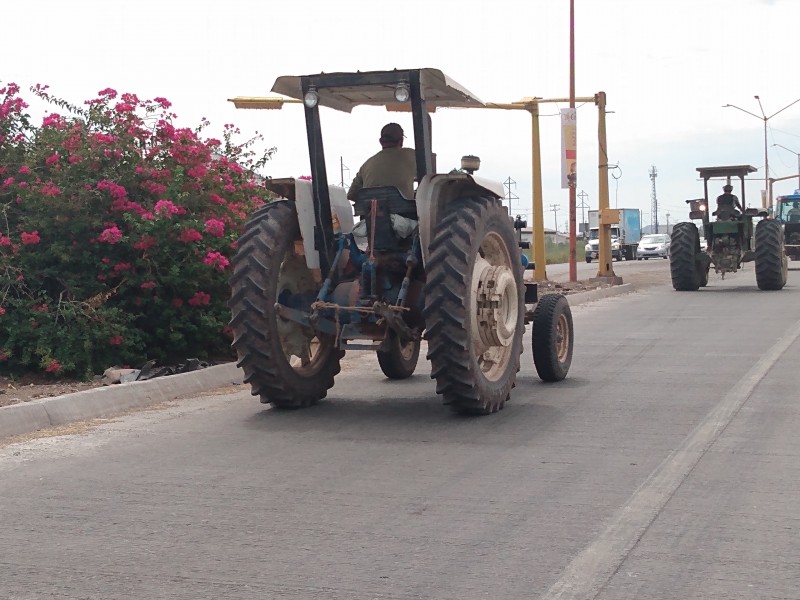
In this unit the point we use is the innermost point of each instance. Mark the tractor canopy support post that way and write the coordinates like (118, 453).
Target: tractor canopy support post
(323, 221)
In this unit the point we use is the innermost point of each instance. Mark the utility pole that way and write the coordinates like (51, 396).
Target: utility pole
(654, 202)
(583, 205)
(342, 169)
(573, 267)
(508, 183)
(555, 208)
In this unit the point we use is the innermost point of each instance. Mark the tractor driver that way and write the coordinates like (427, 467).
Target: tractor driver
(793, 216)
(393, 165)
(727, 202)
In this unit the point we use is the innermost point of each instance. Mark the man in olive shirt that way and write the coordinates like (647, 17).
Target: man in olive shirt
(393, 165)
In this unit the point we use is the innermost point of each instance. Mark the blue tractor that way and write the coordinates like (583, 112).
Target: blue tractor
(315, 276)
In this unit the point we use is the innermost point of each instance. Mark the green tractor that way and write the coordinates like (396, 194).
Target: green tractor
(729, 239)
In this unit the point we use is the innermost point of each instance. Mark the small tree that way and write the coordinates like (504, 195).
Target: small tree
(116, 231)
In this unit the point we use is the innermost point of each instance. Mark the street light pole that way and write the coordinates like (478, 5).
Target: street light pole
(798, 161)
(765, 201)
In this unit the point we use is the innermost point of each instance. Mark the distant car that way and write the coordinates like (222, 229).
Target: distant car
(653, 246)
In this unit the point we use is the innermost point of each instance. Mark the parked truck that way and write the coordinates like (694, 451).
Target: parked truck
(625, 236)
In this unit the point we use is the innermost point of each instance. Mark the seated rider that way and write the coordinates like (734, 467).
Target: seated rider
(793, 216)
(727, 203)
(393, 165)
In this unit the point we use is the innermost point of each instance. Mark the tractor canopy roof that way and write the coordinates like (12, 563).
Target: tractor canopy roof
(731, 171)
(344, 91)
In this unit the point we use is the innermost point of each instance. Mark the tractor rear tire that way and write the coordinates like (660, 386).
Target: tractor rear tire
(553, 337)
(400, 360)
(474, 305)
(284, 364)
(683, 263)
(771, 263)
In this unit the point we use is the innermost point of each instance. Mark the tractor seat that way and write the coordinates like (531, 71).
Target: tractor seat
(386, 195)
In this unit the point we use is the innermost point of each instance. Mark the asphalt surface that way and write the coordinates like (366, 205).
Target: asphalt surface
(665, 466)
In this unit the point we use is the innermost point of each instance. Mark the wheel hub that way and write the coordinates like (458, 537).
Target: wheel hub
(496, 304)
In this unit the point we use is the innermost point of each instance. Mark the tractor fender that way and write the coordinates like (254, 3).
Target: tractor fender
(434, 193)
(301, 191)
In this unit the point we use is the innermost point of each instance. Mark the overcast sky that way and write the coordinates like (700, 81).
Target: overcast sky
(667, 67)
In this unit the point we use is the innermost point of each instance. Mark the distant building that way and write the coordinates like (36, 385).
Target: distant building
(551, 236)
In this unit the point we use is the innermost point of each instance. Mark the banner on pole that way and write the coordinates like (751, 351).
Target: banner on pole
(569, 152)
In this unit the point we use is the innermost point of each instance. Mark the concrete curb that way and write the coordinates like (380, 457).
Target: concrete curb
(110, 401)
(598, 294)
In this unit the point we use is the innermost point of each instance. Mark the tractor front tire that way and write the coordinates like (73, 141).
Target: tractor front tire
(400, 360)
(771, 262)
(284, 363)
(683, 263)
(553, 337)
(474, 305)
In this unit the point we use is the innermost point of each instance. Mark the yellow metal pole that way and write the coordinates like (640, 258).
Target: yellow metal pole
(604, 230)
(539, 258)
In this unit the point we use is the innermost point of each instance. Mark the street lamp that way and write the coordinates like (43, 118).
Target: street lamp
(764, 118)
(798, 161)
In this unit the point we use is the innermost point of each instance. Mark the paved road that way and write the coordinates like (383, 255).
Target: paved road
(666, 466)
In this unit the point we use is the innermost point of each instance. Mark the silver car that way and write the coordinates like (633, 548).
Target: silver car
(653, 246)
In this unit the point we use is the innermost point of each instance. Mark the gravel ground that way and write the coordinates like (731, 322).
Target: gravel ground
(13, 391)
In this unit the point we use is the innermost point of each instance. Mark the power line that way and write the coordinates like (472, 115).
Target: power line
(583, 205)
(508, 183)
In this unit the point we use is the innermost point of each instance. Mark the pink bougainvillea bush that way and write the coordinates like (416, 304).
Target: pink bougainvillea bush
(116, 233)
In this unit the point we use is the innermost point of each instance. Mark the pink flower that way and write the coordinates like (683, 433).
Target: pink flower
(39, 308)
(101, 277)
(217, 260)
(120, 267)
(117, 192)
(215, 227)
(4, 241)
(24, 170)
(7, 182)
(123, 107)
(111, 93)
(53, 158)
(190, 235)
(197, 172)
(145, 243)
(216, 199)
(166, 208)
(111, 235)
(50, 189)
(2, 310)
(177, 302)
(29, 239)
(163, 102)
(54, 366)
(115, 340)
(52, 120)
(147, 285)
(200, 299)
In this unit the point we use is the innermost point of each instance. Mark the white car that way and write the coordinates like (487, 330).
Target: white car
(653, 246)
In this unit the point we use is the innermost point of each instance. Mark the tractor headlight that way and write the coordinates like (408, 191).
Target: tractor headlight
(311, 98)
(401, 93)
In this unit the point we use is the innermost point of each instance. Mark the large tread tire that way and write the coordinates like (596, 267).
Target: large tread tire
(260, 268)
(472, 378)
(771, 262)
(553, 337)
(683, 264)
(400, 361)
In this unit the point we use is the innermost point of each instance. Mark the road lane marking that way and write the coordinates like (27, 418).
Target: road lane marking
(589, 572)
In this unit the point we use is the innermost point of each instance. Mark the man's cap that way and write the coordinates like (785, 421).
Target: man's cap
(727, 188)
(391, 132)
